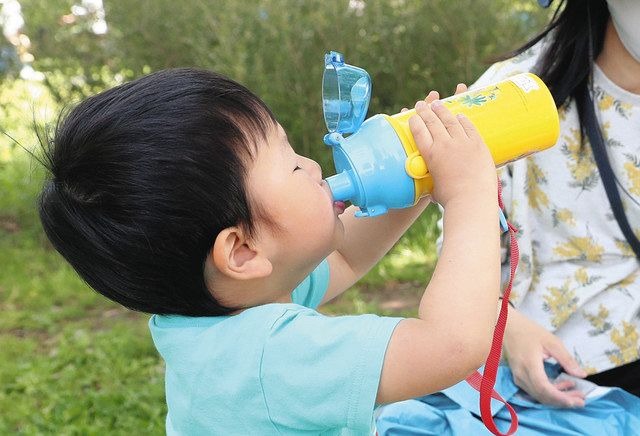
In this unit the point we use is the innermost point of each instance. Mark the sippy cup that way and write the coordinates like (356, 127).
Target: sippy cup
(378, 166)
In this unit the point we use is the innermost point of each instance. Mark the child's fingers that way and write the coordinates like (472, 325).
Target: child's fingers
(420, 133)
(433, 123)
(469, 129)
(460, 88)
(432, 96)
(449, 121)
(404, 109)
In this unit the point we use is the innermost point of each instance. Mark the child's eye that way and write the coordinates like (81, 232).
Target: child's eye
(297, 168)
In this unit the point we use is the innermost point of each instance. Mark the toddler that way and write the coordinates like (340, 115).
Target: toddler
(179, 194)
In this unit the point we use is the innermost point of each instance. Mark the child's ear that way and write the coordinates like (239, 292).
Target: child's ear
(237, 257)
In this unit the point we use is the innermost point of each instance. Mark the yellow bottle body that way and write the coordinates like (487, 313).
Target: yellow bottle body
(515, 117)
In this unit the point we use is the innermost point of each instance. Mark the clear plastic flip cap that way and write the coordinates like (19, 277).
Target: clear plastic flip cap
(346, 91)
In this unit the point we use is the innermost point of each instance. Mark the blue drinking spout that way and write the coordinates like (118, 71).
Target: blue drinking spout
(342, 187)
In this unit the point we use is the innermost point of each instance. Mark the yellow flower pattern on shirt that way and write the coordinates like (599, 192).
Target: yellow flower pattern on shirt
(564, 216)
(628, 281)
(624, 247)
(599, 320)
(583, 248)
(632, 167)
(581, 163)
(561, 302)
(535, 177)
(607, 102)
(626, 341)
(583, 279)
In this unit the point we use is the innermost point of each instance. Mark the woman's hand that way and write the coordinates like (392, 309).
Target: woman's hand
(527, 344)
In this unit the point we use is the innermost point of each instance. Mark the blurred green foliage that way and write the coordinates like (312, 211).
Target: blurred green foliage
(276, 47)
(72, 362)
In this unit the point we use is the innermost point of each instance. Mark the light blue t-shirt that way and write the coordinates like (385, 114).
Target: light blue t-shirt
(273, 369)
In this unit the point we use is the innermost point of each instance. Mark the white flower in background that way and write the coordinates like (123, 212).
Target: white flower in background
(12, 22)
(94, 11)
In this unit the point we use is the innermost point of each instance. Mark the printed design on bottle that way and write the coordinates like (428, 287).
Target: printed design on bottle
(479, 98)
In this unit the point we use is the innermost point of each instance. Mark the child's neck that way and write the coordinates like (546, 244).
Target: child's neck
(276, 288)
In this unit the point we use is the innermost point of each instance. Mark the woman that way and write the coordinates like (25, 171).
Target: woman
(577, 290)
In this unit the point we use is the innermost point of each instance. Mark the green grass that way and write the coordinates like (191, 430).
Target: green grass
(72, 362)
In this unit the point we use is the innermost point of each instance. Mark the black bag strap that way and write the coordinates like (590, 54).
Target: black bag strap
(606, 173)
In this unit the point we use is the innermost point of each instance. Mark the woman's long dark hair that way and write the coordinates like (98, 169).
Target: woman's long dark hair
(566, 64)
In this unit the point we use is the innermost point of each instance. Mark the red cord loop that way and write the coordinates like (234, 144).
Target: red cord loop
(484, 383)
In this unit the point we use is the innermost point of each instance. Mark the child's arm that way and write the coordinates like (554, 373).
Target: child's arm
(457, 313)
(367, 240)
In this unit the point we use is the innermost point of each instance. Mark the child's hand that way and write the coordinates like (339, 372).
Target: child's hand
(457, 158)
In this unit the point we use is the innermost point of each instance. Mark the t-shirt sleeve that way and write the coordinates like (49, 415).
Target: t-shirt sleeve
(310, 292)
(321, 373)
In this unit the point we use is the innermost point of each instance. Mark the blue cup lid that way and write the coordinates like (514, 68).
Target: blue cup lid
(346, 91)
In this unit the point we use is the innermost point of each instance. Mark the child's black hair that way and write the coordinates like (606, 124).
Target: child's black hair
(143, 178)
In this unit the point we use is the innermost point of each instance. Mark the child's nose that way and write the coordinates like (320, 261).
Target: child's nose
(318, 171)
(314, 169)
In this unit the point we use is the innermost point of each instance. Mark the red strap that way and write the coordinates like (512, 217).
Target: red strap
(484, 383)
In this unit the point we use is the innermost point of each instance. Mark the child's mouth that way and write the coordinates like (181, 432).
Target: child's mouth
(339, 206)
